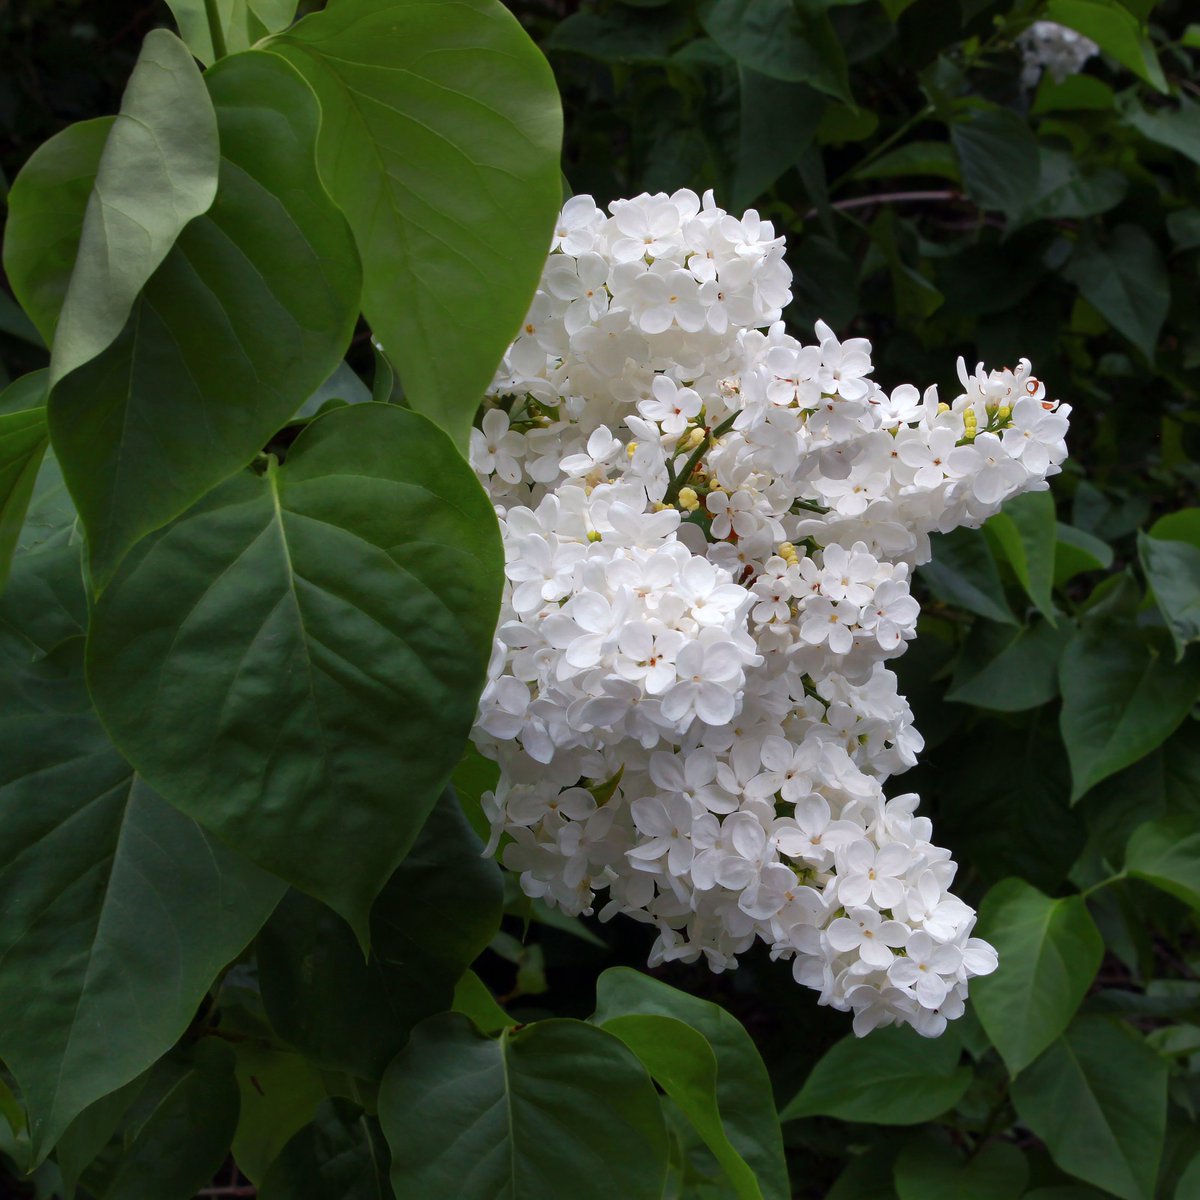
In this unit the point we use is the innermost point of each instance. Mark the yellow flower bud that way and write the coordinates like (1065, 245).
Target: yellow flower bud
(943, 407)
(693, 439)
(594, 535)
(1004, 412)
(688, 499)
(629, 450)
(659, 506)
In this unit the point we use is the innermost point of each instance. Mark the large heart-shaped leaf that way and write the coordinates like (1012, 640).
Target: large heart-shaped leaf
(1121, 699)
(1098, 1100)
(434, 916)
(158, 171)
(557, 1108)
(1173, 571)
(893, 1077)
(121, 908)
(440, 141)
(744, 1095)
(1049, 953)
(931, 1168)
(249, 313)
(240, 23)
(46, 207)
(1166, 853)
(296, 661)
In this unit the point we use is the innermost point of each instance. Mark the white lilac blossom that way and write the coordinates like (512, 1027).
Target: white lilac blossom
(1048, 46)
(709, 530)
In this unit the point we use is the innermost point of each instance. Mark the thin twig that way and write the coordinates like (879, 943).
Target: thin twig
(939, 194)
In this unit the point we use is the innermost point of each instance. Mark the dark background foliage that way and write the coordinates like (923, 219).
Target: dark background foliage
(935, 205)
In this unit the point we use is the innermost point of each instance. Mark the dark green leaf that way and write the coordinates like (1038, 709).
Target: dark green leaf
(1184, 225)
(179, 1131)
(1116, 31)
(684, 1066)
(1065, 189)
(1125, 280)
(963, 572)
(298, 658)
(892, 1077)
(341, 1155)
(1166, 853)
(743, 1087)
(998, 156)
(90, 1132)
(248, 314)
(777, 124)
(45, 215)
(1173, 572)
(473, 999)
(930, 1168)
(23, 442)
(867, 1176)
(1007, 669)
(913, 158)
(1078, 551)
(621, 37)
(279, 1093)
(1176, 128)
(1026, 532)
(158, 170)
(794, 42)
(1121, 699)
(1049, 953)
(1098, 1099)
(438, 911)
(558, 1108)
(123, 909)
(440, 141)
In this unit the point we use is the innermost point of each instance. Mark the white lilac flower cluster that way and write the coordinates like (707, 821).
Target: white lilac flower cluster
(709, 530)
(1048, 46)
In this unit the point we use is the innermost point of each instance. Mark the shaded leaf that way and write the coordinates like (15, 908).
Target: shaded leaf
(1007, 669)
(1098, 1099)
(436, 914)
(466, 1116)
(892, 1077)
(1050, 951)
(1026, 532)
(1116, 31)
(963, 572)
(317, 636)
(23, 442)
(998, 156)
(1173, 572)
(930, 1168)
(251, 310)
(1166, 853)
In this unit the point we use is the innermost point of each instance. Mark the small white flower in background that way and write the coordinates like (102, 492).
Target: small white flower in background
(688, 697)
(1048, 46)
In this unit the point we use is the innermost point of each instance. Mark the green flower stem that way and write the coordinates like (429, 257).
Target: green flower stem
(214, 28)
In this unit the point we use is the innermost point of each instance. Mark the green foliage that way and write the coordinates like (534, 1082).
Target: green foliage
(245, 611)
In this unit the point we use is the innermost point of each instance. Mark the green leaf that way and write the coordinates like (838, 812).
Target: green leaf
(46, 206)
(438, 911)
(1166, 853)
(930, 1168)
(684, 1066)
(1098, 1099)
(1007, 669)
(1074, 93)
(557, 1108)
(440, 141)
(1184, 225)
(1067, 189)
(1126, 281)
(242, 22)
(963, 573)
(1116, 31)
(179, 1131)
(1181, 526)
(123, 909)
(473, 999)
(744, 1095)
(23, 442)
(1025, 530)
(1173, 572)
(1049, 953)
(1078, 551)
(795, 42)
(913, 158)
(621, 37)
(158, 170)
(251, 310)
(892, 1077)
(279, 1094)
(341, 1155)
(1176, 128)
(868, 1176)
(312, 636)
(998, 156)
(91, 1131)
(1121, 699)
(777, 124)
